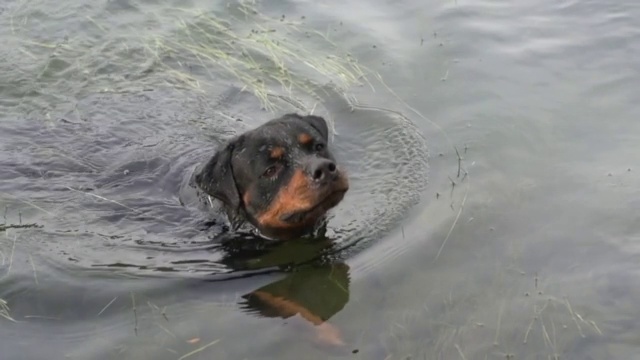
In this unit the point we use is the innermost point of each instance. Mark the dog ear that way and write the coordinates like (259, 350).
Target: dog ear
(216, 179)
(319, 124)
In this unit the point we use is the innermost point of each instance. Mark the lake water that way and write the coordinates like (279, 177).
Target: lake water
(493, 151)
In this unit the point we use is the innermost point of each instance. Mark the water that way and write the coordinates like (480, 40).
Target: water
(523, 249)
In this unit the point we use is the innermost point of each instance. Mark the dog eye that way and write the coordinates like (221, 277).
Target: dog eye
(271, 170)
(319, 147)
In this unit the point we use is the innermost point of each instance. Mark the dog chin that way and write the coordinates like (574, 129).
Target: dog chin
(315, 213)
(303, 222)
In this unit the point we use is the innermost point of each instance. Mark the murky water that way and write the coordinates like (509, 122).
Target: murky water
(521, 116)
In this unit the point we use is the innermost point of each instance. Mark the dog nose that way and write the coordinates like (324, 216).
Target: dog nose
(322, 169)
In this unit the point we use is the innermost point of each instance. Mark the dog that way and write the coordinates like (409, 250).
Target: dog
(280, 177)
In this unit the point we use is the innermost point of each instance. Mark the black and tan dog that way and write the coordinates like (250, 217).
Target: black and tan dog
(281, 176)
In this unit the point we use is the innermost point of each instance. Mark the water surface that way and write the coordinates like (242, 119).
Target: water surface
(492, 149)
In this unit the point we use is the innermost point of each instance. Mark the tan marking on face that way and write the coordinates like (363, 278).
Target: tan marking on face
(305, 139)
(297, 195)
(277, 152)
(246, 198)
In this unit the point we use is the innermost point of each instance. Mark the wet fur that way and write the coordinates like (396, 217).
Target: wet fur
(280, 177)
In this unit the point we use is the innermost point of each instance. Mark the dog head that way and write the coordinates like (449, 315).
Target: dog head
(281, 176)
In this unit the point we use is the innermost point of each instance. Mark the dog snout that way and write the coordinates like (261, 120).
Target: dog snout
(322, 169)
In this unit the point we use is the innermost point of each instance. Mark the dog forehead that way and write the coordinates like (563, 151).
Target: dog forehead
(284, 133)
(291, 125)
(257, 146)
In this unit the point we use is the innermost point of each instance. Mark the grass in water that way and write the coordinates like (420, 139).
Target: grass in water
(260, 52)
(4, 311)
(272, 58)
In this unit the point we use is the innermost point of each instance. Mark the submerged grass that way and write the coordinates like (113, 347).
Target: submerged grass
(260, 52)
(4, 311)
(4, 306)
(269, 57)
(509, 323)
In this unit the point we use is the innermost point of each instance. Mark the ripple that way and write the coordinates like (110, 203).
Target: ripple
(114, 192)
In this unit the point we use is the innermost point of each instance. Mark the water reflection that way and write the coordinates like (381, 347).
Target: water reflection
(315, 293)
(315, 286)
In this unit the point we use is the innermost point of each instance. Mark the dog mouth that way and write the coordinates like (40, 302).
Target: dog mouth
(317, 211)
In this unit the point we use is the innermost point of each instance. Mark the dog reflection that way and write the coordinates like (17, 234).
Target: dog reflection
(315, 285)
(315, 293)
